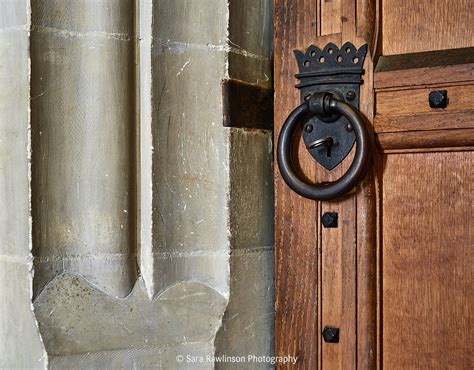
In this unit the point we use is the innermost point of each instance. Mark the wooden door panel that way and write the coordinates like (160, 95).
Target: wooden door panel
(427, 259)
(395, 276)
(410, 26)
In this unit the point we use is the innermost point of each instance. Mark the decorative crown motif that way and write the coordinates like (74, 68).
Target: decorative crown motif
(322, 64)
(330, 58)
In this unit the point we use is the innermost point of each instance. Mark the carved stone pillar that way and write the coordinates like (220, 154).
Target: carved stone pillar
(83, 137)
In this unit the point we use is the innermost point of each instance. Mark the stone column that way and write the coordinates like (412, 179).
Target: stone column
(190, 155)
(83, 140)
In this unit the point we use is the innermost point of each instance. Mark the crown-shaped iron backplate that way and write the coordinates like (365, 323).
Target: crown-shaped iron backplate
(318, 66)
(337, 71)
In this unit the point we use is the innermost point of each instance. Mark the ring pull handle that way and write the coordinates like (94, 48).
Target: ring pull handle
(323, 105)
(325, 141)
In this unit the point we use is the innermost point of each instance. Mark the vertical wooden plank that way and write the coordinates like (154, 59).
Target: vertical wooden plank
(348, 21)
(338, 279)
(348, 253)
(330, 17)
(365, 20)
(366, 274)
(338, 246)
(366, 199)
(366, 214)
(378, 166)
(296, 228)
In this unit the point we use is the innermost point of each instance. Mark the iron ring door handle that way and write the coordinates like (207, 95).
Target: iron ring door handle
(325, 141)
(323, 105)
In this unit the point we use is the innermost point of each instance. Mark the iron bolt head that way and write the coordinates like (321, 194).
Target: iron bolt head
(350, 95)
(329, 219)
(438, 99)
(308, 128)
(331, 335)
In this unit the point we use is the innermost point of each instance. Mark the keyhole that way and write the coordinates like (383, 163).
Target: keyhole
(328, 151)
(329, 147)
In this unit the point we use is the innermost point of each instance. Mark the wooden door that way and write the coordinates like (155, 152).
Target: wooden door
(395, 275)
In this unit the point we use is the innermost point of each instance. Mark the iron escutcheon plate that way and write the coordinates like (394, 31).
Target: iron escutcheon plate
(337, 71)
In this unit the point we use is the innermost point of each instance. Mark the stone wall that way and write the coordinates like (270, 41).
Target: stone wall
(20, 343)
(247, 327)
(152, 224)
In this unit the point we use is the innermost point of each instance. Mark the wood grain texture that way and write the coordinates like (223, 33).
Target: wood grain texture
(349, 22)
(366, 227)
(401, 105)
(343, 260)
(427, 259)
(425, 59)
(338, 279)
(366, 273)
(424, 76)
(413, 26)
(425, 139)
(366, 18)
(403, 102)
(296, 226)
(347, 256)
(330, 16)
(424, 121)
(378, 185)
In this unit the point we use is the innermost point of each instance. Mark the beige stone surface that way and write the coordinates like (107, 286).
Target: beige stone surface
(84, 18)
(251, 41)
(144, 14)
(76, 318)
(191, 22)
(190, 162)
(190, 146)
(83, 157)
(18, 330)
(20, 343)
(162, 358)
(251, 186)
(247, 327)
(14, 95)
